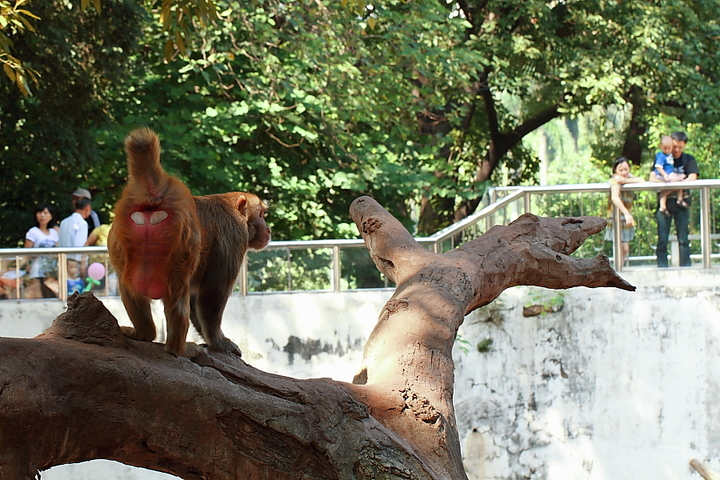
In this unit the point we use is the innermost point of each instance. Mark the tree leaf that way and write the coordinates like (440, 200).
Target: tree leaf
(180, 42)
(169, 50)
(9, 72)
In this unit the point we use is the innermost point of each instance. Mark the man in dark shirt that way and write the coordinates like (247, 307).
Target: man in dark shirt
(679, 211)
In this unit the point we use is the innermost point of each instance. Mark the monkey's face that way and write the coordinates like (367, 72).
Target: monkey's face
(259, 231)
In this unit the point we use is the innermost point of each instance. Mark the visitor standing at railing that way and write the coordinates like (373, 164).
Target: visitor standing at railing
(677, 209)
(664, 172)
(98, 237)
(93, 220)
(623, 200)
(74, 229)
(43, 269)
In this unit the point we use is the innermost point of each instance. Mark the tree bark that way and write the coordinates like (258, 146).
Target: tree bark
(633, 146)
(82, 390)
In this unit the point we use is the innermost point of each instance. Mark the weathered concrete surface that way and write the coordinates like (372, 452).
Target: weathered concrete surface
(615, 386)
(295, 334)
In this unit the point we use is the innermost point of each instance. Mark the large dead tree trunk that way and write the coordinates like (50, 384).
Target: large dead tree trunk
(82, 390)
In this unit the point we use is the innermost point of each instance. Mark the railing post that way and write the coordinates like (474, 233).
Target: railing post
(62, 276)
(106, 263)
(336, 268)
(617, 240)
(527, 203)
(244, 277)
(705, 245)
(489, 219)
(18, 281)
(289, 269)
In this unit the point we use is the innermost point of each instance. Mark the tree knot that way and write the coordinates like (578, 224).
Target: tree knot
(371, 225)
(394, 305)
(87, 320)
(420, 407)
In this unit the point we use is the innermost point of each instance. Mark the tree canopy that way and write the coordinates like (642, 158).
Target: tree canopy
(312, 103)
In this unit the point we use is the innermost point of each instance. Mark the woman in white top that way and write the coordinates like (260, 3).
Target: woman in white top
(43, 269)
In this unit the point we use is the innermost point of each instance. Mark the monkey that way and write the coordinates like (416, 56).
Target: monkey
(187, 250)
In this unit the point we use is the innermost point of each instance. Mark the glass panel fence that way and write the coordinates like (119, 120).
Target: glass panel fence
(55, 274)
(643, 245)
(286, 269)
(714, 227)
(336, 265)
(357, 270)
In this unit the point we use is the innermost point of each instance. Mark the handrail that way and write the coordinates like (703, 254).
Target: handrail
(599, 187)
(703, 185)
(32, 252)
(435, 241)
(452, 230)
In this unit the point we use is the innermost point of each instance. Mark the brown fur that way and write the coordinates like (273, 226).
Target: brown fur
(186, 250)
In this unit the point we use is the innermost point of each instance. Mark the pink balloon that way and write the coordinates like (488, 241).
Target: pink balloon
(96, 271)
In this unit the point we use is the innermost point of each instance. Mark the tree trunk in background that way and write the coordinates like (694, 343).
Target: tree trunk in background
(632, 148)
(544, 157)
(83, 391)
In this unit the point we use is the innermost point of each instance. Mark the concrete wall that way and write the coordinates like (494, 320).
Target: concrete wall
(294, 334)
(614, 386)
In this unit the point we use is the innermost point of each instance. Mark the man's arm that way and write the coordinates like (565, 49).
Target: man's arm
(691, 168)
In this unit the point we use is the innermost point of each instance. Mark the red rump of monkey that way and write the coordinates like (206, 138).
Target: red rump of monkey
(167, 244)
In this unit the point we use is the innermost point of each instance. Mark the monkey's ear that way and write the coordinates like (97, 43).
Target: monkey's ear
(241, 202)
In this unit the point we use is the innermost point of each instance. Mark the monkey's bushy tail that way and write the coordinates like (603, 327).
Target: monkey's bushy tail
(143, 151)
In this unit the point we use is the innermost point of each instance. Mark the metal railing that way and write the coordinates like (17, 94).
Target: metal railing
(336, 265)
(705, 219)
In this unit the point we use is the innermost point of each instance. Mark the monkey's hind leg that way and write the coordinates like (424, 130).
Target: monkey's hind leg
(138, 309)
(177, 316)
(208, 307)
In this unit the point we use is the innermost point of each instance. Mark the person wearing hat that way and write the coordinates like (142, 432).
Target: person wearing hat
(93, 220)
(74, 229)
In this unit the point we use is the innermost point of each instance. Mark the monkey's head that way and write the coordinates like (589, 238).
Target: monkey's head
(254, 210)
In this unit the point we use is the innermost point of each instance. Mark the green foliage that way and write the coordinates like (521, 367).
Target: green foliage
(15, 20)
(359, 271)
(305, 104)
(311, 104)
(274, 270)
(484, 345)
(48, 148)
(639, 58)
(550, 300)
(462, 343)
(311, 269)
